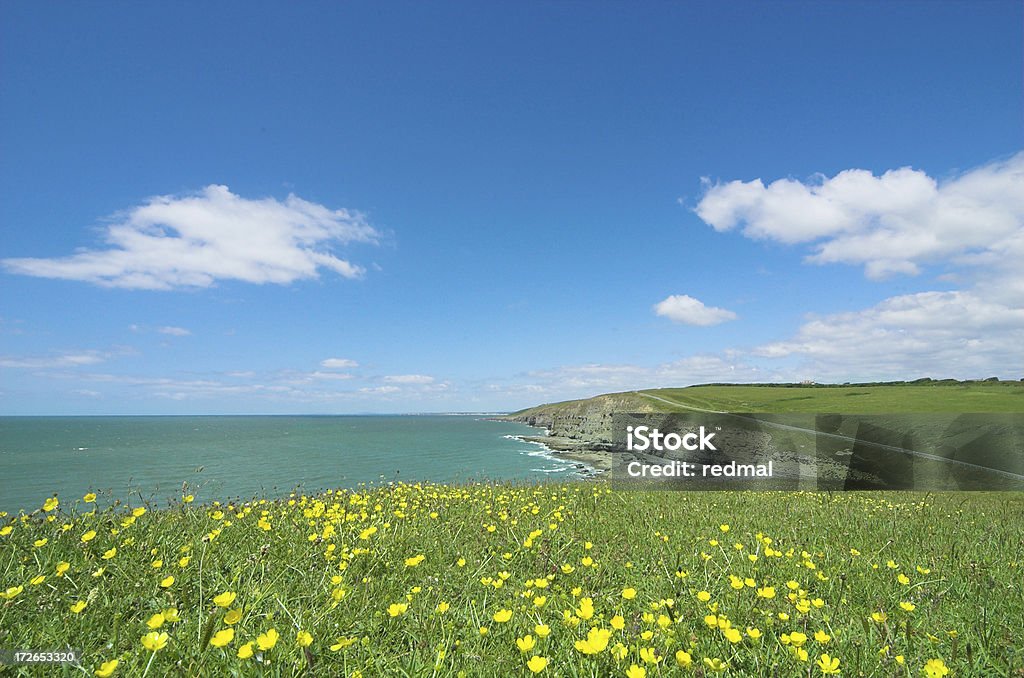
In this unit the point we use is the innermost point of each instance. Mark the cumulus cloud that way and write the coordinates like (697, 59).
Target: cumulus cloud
(196, 240)
(338, 363)
(174, 331)
(682, 308)
(890, 224)
(409, 379)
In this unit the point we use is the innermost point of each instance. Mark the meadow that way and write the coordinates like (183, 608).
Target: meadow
(919, 397)
(521, 580)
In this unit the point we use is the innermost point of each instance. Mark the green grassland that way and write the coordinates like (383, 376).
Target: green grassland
(508, 580)
(924, 396)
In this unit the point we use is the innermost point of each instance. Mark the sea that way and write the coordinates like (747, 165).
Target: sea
(156, 459)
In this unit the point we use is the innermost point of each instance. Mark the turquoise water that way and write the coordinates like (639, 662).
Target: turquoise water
(224, 457)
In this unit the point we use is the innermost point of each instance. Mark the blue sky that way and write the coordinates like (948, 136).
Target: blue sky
(395, 207)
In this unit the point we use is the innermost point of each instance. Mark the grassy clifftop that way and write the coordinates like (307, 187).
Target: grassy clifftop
(921, 396)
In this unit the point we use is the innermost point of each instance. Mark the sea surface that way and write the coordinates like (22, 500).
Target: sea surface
(223, 457)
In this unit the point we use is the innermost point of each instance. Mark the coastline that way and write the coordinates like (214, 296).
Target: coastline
(588, 463)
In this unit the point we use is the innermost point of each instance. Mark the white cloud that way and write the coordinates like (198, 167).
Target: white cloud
(682, 308)
(380, 390)
(195, 240)
(890, 224)
(338, 363)
(409, 379)
(939, 334)
(52, 362)
(330, 376)
(174, 331)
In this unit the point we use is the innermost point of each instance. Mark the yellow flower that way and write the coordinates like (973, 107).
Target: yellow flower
(107, 668)
(935, 668)
(618, 623)
(879, 617)
(648, 655)
(154, 641)
(5, 530)
(908, 607)
(767, 592)
(224, 599)
(797, 638)
(537, 663)
(50, 504)
(754, 633)
(139, 512)
(39, 543)
(110, 553)
(88, 499)
(484, 630)
(245, 651)
(542, 630)
(733, 635)
(78, 607)
(586, 608)
(903, 579)
(156, 621)
(171, 614)
(596, 642)
(414, 561)
(684, 659)
(828, 664)
(703, 596)
(222, 637)
(233, 616)
(502, 616)
(342, 643)
(188, 499)
(635, 671)
(822, 637)
(525, 644)
(304, 638)
(268, 640)
(397, 609)
(38, 579)
(89, 536)
(629, 594)
(12, 592)
(167, 582)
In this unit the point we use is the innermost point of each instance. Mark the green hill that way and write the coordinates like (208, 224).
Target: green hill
(922, 396)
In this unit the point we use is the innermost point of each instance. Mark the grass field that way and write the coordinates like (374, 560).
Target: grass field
(958, 397)
(513, 580)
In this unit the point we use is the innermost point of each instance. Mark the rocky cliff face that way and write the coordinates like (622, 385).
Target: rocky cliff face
(585, 421)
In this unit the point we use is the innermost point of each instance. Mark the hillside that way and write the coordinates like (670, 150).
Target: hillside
(582, 429)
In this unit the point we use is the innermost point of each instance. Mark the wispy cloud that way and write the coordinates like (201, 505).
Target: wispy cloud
(196, 240)
(338, 363)
(941, 334)
(682, 308)
(174, 331)
(409, 379)
(53, 362)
